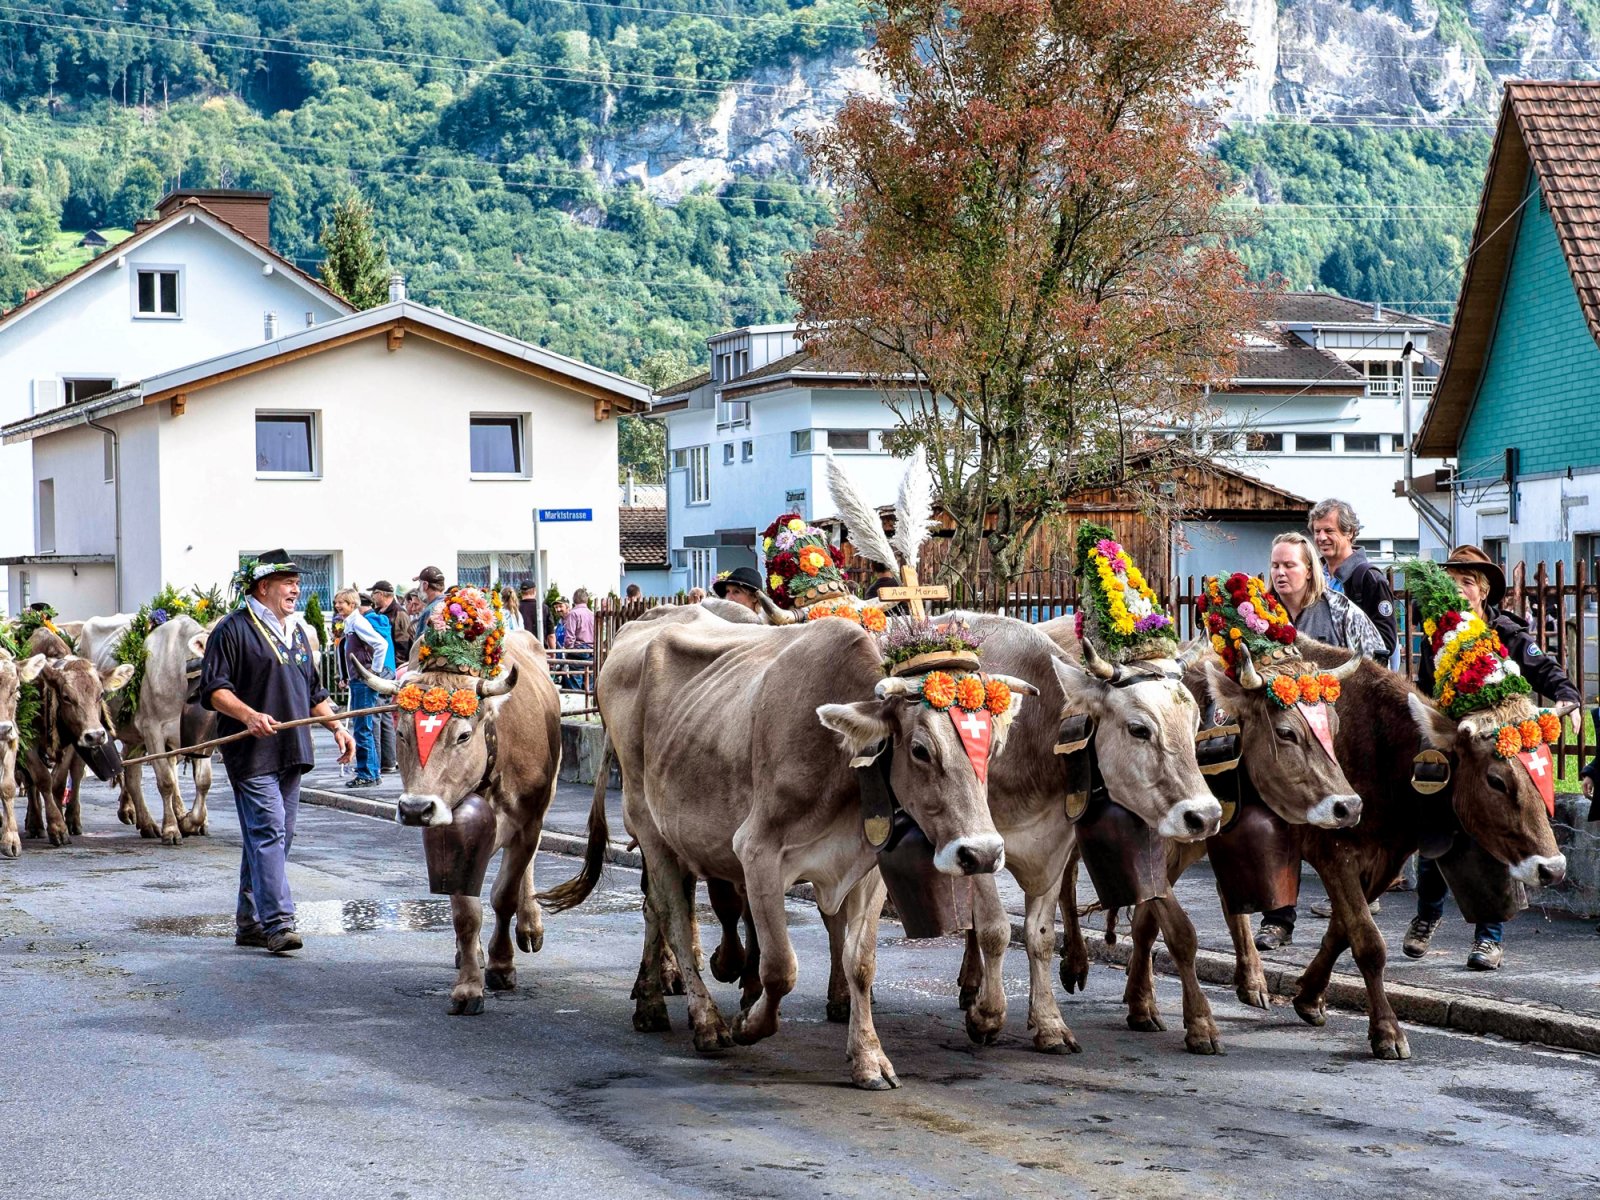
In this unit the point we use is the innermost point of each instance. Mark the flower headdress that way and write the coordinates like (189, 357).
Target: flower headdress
(1243, 619)
(801, 567)
(1471, 669)
(1118, 613)
(167, 604)
(465, 632)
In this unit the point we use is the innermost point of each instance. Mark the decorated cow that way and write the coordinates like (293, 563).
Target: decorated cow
(19, 704)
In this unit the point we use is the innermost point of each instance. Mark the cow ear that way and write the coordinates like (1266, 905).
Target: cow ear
(31, 668)
(1081, 689)
(1221, 687)
(195, 647)
(858, 725)
(1438, 730)
(116, 679)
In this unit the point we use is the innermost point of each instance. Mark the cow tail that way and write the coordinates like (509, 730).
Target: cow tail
(576, 890)
(1111, 926)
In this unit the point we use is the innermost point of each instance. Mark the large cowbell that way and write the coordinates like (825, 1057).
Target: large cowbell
(1481, 884)
(1256, 853)
(458, 854)
(928, 902)
(1125, 857)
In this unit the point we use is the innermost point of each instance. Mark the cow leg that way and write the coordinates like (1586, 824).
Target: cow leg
(516, 866)
(986, 1017)
(750, 982)
(199, 817)
(1249, 979)
(1050, 1032)
(727, 960)
(650, 1003)
(838, 980)
(672, 895)
(466, 998)
(34, 822)
(10, 842)
(1353, 925)
(1074, 950)
(171, 801)
(131, 810)
(72, 810)
(1139, 993)
(970, 977)
(1200, 1035)
(870, 1067)
(764, 876)
(55, 821)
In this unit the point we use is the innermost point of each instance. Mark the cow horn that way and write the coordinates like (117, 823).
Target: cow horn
(1249, 678)
(501, 685)
(774, 614)
(892, 685)
(1097, 665)
(1346, 669)
(1021, 686)
(384, 687)
(1189, 653)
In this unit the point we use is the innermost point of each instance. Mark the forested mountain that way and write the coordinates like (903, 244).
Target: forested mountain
(619, 179)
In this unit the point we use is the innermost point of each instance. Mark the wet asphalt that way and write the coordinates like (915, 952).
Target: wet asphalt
(146, 1056)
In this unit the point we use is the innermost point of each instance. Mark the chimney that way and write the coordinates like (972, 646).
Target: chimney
(397, 288)
(311, 318)
(627, 491)
(1377, 311)
(270, 326)
(248, 212)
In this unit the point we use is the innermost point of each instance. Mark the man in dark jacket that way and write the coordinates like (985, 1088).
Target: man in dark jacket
(257, 673)
(1484, 586)
(384, 603)
(1334, 528)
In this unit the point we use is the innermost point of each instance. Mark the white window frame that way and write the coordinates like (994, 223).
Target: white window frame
(109, 450)
(702, 566)
(867, 449)
(727, 454)
(697, 486)
(315, 418)
(141, 269)
(801, 441)
(520, 424)
(747, 451)
(1299, 449)
(1377, 443)
(69, 382)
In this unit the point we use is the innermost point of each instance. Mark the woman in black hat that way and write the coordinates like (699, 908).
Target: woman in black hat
(741, 585)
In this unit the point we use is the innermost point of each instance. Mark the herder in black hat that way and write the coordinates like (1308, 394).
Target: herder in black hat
(256, 673)
(741, 585)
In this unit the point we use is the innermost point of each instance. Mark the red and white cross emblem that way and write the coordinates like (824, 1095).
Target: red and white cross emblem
(1540, 770)
(973, 729)
(428, 727)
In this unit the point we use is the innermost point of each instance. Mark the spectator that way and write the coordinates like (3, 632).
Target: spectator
(383, 723)
(361, 643)
(695, 595)
(414, 607)
(633, 592)
(513, 609)
(1329, 617)
(580, 634)
(383, 601)
(432, 581)
(1484, 586)
(555, 637)
(741, 585)
(528, 607)
(1334, 528)
(885, 578)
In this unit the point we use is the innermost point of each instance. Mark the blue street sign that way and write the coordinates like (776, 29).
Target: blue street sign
(549, 515)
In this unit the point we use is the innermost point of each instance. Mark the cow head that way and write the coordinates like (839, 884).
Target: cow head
(73, 695)
(1292, 767)
(13, 675)
(444, 757)
(932, 775)
(1496, 800)
(1144, 721)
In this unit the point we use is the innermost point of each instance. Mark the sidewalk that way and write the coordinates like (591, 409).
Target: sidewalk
(1552, 963)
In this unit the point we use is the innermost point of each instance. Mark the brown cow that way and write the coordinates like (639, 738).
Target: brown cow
(730, 771)
(13, 675)
(509, 753)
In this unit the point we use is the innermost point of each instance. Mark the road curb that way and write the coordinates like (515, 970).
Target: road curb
(1416, 1005)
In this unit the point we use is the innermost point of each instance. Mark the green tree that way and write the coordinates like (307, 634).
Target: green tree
(136, 198)
(642, 443)
(357, 263)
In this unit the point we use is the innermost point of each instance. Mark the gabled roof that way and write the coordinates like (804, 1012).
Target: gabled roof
(1552, 129)
(188, 212)
(610, 393)
(1270, 355)
(644, 536)
(1330, 308)
(684, 386)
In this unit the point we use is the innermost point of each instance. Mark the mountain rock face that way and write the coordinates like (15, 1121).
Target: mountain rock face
(1411, 61)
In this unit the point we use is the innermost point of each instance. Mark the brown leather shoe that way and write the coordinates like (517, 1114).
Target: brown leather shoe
(283, 942)
(1273, 935)
(250, 937)
(1418, 935)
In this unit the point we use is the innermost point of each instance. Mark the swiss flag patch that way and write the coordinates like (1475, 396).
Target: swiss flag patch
(976, 730)
(1543, 772)
(1316, 716)
(429, 726)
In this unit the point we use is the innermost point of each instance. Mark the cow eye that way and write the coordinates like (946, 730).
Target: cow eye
(1284, 732)
(1142, 732)
(1497, 783)
(920, 752)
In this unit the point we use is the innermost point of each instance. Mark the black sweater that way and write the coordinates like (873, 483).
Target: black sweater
(241, 659)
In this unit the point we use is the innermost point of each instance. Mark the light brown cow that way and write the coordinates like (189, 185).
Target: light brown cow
(509, 753)
(13, 675)
(735, 744)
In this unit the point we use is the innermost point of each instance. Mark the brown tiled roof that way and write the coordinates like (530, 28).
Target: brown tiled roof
(1554, 129)
(1329, 308)
(644, 536)
(685, 385)
(1270, 353)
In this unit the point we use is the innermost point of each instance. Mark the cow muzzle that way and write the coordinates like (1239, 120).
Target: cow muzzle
(1338, 811)
(8, 731)
(1191, 820)
(1539, 871)
(422, 810)
(981, 855)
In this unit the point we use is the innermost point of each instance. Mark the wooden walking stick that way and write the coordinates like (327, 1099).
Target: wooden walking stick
(244, 733)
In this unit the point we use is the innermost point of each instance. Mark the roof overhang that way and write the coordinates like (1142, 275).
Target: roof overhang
(58, 560)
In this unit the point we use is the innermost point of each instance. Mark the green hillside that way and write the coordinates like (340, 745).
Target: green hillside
(470, 126)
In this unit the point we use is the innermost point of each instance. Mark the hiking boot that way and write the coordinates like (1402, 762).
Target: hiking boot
(1485, 956)
(1419, 935)
(283, 941)
(250, 937)
(1273, 935)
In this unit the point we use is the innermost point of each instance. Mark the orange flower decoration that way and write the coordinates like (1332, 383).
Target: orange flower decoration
(1550, 727)
(1508, 742)
(812, 560)
(1286, 690)
(464, 702)
(1310, 689)
(969, 693)
(997, 698)
(409, 697)
(873, 620)
(1330, 688)
(938, 689)
(849, 613)
(435, 699)
(1531, 734)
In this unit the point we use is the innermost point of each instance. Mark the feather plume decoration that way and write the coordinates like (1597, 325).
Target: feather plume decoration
(913, 508)
(866, 530)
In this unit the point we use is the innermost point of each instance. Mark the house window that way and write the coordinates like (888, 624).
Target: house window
(702, 567)
(732, 412)
(1313, 442)
(849, 439)
(1383, 378)
(317, 575)
(497, 445)
(108, 448)
(747, 451)
(286, 444)
(508, 568)
(76, 390)
(47, 516)
(1496, 549)
(727, 453)
(696, 460)
(1360, 443)
(1264, 443)
(1397, 443)
(800, 441)
(156, 293)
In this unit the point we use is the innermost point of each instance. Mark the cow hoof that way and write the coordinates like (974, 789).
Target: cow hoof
(1074, 976)
(966, 998)
(1316, 1015)
(1392, 1049)
(171, 837)
(530, 943)
(727, 963)
(149, 831)
(652, 1019)
(982, 1031)
(75, 828)
(878, 1083)
(500, 979)
(712, 1038)
(60, 837)
(189, 827)
(10, 846)
(466, 1006)
(1068, 1046)
(1254, 997)
(1150, 1024)
(838, 1011)
(125, 814)
(1199, 1043)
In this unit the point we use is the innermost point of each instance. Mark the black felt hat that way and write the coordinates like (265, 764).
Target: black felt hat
(742, 576)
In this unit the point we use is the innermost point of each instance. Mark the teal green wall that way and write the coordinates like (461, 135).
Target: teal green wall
(1541, 380)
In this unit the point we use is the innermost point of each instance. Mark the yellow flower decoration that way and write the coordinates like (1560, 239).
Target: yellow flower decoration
(797, 526)
(775, 581)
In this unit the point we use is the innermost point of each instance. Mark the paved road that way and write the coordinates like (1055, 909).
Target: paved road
(146, 1056)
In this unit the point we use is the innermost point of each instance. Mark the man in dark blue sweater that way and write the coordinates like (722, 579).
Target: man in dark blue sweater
(257, 673)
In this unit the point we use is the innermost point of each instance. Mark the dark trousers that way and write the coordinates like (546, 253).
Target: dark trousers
(386, 741)
(1431, 891)
(267, 807)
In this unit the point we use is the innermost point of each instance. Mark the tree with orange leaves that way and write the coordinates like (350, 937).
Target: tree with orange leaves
(1030, 259)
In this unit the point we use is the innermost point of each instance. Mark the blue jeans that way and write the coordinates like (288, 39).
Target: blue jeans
(1431, 891)
(364, 730)
(267, 806)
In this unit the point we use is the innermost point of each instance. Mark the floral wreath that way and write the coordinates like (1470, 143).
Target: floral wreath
(941, 690)
(1119, 611)
(168, 603)
(907, 639)
(465, 632)
(1526, 736)
(1471, 668)
(1317, 687)
(461, 702)
(1243, 617)
(31, 620)
(800, 562)
(869, 617)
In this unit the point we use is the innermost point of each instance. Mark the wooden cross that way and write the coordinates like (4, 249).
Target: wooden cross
(914, 593)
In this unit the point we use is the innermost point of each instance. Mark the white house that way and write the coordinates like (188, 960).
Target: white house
(368, 446)
(197, 281)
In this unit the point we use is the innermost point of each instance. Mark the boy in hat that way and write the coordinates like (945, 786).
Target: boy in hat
(257, 673)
